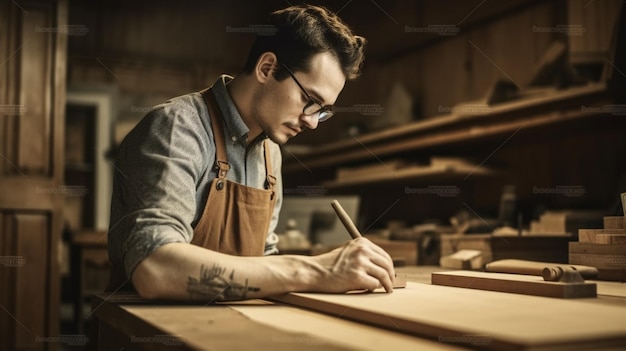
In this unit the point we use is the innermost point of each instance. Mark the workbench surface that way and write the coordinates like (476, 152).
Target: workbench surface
(133, 324)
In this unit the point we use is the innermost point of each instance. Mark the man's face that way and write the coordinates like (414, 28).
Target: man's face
(280, 106)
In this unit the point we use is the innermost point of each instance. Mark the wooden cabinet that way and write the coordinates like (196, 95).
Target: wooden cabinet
(32, 103)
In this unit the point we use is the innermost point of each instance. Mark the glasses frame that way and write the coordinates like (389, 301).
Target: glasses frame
(323, 112)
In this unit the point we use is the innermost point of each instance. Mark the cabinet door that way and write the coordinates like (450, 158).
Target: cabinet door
(33, 41)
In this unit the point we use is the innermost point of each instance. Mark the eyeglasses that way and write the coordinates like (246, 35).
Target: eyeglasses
(312, 107)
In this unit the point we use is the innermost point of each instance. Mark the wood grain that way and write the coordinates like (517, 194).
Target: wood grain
(613, 222)
(32, 105)
(485, 319)
(611, 239)
(589, 235)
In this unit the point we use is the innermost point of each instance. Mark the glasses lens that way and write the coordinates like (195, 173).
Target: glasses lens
(311, 108)
(324, 115)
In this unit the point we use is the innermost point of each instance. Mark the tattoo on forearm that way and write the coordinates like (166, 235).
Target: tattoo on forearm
(212, 285)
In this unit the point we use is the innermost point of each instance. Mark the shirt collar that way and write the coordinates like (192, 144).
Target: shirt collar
(237, 130)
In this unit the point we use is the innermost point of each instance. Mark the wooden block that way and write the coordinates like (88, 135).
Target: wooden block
(398, 249)
(514, 283)
(599, 261)
(400, 280)
(597, 249)
(613, 222)
(610, 260)
(451, 243)
(463, 259)
(611, 239)
(589, 235)
(487, 320)
(570, 221)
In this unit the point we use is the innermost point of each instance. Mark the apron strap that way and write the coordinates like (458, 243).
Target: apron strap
(271, 179)
(218, 133)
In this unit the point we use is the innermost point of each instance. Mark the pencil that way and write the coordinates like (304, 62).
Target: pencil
(345, 219)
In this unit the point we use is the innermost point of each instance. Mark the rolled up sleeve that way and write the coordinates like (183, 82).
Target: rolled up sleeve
(157, 169)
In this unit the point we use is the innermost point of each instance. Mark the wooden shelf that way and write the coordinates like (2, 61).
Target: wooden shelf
(503, 119)
(414, 174)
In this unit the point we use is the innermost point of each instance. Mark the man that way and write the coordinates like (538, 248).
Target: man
(197, 187)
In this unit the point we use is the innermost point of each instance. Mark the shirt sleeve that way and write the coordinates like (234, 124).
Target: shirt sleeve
(156, 171)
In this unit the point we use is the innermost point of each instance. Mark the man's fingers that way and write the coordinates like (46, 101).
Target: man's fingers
(382, 276)
(378, 262)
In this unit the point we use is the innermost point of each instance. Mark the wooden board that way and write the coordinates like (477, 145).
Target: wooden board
(319, 329)
(598, 249)
(609, 259)
(145, 326)
(611, 239)
(481, 319)
(589, 235)
(514, 283)
(599, 261)
(614, 222)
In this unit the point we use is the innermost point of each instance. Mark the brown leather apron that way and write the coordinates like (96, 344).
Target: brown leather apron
(236, 217)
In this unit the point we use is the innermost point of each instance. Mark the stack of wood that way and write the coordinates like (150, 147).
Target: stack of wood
(604, 249)
(566, 221)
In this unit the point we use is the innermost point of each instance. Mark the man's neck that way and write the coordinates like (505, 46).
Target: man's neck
(243, 98)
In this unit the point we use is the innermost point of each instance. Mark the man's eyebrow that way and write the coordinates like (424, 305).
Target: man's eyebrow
(316, 95)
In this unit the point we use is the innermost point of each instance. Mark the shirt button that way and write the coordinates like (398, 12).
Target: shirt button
(233, 138)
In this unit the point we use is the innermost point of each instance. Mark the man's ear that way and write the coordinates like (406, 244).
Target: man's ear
(265, 66)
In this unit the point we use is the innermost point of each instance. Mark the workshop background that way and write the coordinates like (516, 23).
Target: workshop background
(470, 117)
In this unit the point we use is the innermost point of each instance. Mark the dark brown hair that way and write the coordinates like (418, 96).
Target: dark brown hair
(300, 32)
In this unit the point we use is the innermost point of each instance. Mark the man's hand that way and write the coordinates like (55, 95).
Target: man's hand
(182, 271)
(360, 264)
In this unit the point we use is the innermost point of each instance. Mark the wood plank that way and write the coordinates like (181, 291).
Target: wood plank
(319, 329)
(212, 327)
(614, 222)
(589, 235)
(422, 173)
(514, 283)
(451, 128)
(496, 320)
(599, 261)
(598, 249)
(611, 239)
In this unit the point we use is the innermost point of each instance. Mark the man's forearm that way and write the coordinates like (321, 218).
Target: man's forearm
(187, 272)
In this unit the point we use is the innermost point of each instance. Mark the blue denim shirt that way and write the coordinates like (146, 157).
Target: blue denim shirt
(163, 171)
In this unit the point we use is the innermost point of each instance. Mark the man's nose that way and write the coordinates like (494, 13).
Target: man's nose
(310, 122)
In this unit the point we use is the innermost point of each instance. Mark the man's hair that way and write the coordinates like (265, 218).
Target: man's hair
(302, 31)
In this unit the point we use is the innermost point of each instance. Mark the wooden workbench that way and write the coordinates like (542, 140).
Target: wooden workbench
(129, 323)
